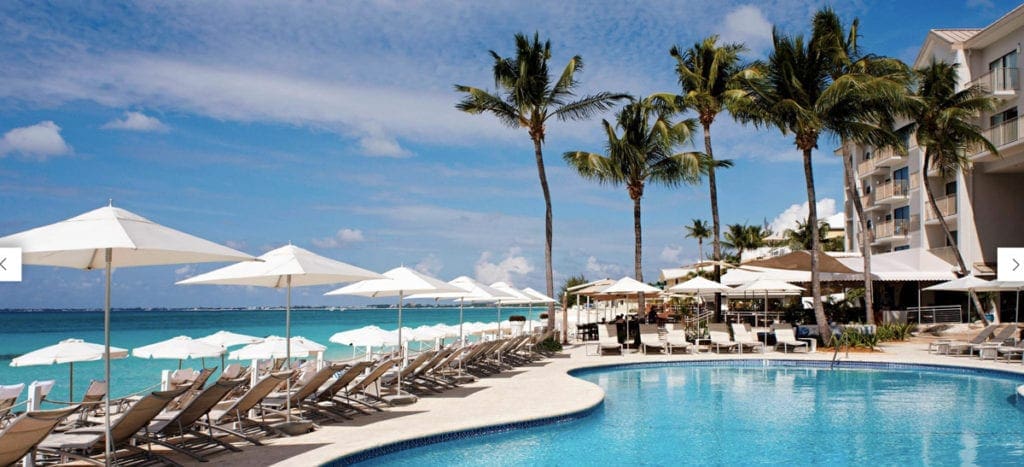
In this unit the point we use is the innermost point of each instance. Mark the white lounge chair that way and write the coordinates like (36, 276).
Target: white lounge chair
(608, 339)
(720, 340)
(649, 338)
(675, 342)
(745, 339)
(786, 339)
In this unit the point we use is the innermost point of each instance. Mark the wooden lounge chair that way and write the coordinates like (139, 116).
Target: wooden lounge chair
(325, 401)
(358, 393)
(405, 376)
(177, 429)
(745, 339)
(786, 339)
(26, 431)
(8, 396)
(306, 386)
(83, 443)
(649, 338)
(232, 416)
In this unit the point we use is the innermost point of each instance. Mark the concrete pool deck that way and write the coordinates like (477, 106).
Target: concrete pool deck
(537, 391)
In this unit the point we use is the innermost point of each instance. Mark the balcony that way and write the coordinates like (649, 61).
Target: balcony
(946, 205)
(894, 230)
(887, 158)
(1000, 135)
(999, 81)
(892, 192)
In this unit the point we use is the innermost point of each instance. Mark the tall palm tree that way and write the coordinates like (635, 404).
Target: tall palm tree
(847, 58)
(800, 237)
(737, 237)
(708, 74)
(699, 230)
(527, 97)
(942, 122)
(794, 92)
(642, 154)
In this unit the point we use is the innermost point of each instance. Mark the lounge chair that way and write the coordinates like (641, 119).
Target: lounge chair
(675, 342)
(358, 392)
(325, 401)
(182, 377)
(82, 443)
(649, 338)
(960, 347)
(176, 429)
(201, 378)
(8, 396)
(405, 376)
(608, 339)
(786, 339)
(232, 416)
(745, 339)
(90, 404)
(1010, 351)
(998, 339)
(26, 431)
(307, 384)
(720, 340)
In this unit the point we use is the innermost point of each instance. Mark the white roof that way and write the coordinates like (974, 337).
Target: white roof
(915, 264)
(697, 285)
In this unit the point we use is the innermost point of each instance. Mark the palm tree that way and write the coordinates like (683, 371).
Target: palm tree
(699, 230)
(527, 97)
(642, 154)
(737, 239)
(800, 237)
(794, 92)
(942, 123)
(708, 74)
(847, 58)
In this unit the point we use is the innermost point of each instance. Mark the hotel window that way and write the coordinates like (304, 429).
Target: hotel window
(951, 189)
(902, 216)
(955, 239)
(1003, 72)
(1004, 127)
(901, 181)
(901, 248)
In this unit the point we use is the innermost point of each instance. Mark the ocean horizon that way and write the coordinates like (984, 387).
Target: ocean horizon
(30, 329)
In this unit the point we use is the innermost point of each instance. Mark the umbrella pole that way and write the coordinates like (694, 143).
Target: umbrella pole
(462, 337)
(1016, 311)
(108, 256)
(288, 347)
(401, 348)
(71, 382)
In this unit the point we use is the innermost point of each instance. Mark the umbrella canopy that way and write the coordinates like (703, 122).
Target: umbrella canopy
(229, 339)
(699, 285)
(372, 336)
(769, 285)
(629, 286)
(179, 348)
(473, 291)
(965, 284)
(111, 237)
(537, 297)
(801, 261)
(68, 351)
(278, 347)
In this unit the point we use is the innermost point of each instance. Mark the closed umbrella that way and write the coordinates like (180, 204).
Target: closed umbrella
(109, 238)
(68, 351)
(285, 267)
(179, 348)
(398, 282)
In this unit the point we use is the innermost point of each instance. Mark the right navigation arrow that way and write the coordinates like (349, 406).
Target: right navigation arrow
(1015, 264)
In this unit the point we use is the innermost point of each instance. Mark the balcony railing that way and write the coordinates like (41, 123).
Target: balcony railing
(1003, 133)
(946, 205)
(866, 166)
(893, 189)
(999, 80)
(895, 228)
(879, 159)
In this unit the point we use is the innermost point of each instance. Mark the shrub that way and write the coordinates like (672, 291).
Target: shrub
(895, 332)
(550, 345)
(517, 318)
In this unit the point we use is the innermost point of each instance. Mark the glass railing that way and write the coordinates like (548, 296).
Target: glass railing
(999, 80)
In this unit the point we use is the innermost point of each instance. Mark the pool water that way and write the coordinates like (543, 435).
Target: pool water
(732, 415)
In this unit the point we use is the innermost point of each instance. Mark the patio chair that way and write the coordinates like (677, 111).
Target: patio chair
(745, 339)
(8, 396)
(324, 400)
(407, 373)
(608, 339)
(183, 377)
(25, 432)
(675, 342)
(358, 394)
(997, 339)
(176, 430)
(83, 443)
(649, 338)
(720, 340)
(232, 416)
(786, 339)
(307, 384)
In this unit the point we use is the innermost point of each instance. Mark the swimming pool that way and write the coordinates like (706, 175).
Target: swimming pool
(745, 412)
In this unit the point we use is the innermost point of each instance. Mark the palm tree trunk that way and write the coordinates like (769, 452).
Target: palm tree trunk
(548, 276)
(638, 269)
(865, 236)
(812, 219)
(717, 242)
(700, 251)
(949, 236)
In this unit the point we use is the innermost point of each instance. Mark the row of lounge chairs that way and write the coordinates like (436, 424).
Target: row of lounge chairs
(197, 421)
(994, 341)
(673, 341)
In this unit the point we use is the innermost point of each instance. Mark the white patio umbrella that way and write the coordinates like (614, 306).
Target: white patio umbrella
(278, 347)
(398, 282)
(536, 298)
(472, 291)
(109, 238)
(518, 298)
(227, 339)
(366, 336)
(68, 351)
(768, 286)
(285, 267)
(697, 286)
(179, 348)
(627, 286)
(965, 284)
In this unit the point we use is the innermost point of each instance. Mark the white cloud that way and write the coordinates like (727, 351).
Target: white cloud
(430, 265)
(671, 254)
(513, 264)
(238, 245)
(136, 121)
(798, 212)
(747, 24)
(341, 238)
(185, 270)
(603, 270)
(38, 141)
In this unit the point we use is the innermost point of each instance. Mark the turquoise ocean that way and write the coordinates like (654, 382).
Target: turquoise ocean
(24, 331)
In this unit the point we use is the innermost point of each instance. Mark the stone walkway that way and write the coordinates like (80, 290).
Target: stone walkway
(541, 390)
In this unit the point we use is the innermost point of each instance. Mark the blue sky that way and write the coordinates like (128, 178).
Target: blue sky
(332, 126)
